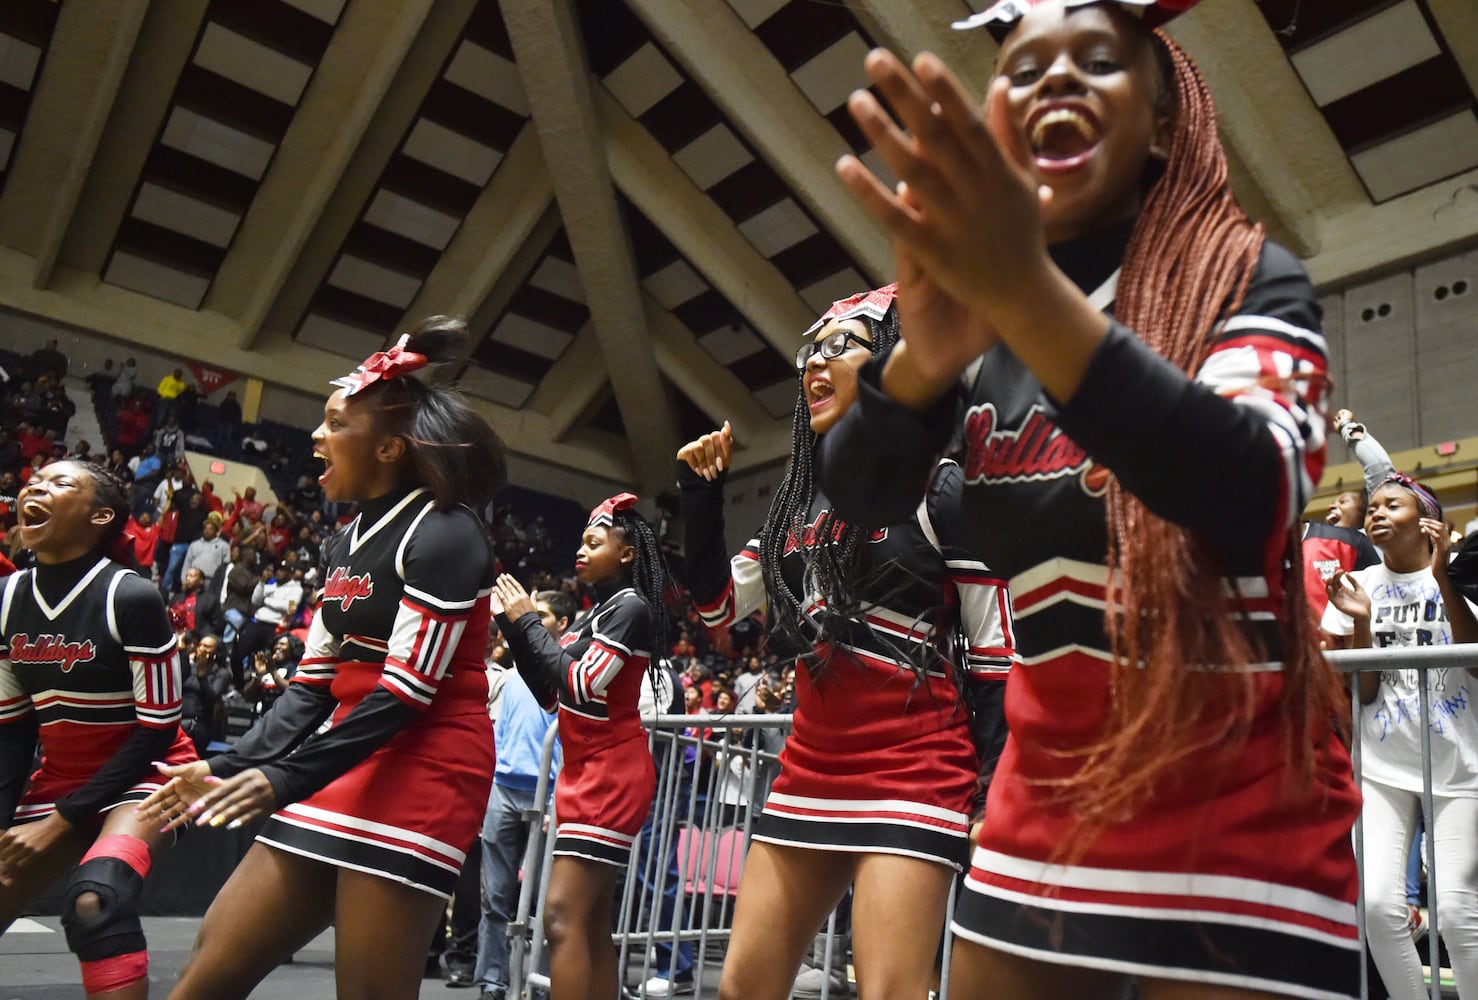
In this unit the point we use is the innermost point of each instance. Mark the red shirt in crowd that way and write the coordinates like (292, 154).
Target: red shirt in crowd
(145, 540)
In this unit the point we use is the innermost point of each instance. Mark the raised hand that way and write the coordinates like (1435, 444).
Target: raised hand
(1346, 594)
(510, 593)
(710, 454)
(970, 213)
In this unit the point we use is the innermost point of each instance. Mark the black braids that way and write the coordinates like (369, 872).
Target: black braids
(649, 578)
(833, 562)
(789, 511)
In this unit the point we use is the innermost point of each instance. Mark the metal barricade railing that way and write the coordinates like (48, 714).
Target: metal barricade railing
(677, 903)
(1354, 662)
(703, 817)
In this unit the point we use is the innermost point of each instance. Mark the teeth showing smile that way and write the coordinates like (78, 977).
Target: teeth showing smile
(34, 513)
(819, 390)
(1063, 132)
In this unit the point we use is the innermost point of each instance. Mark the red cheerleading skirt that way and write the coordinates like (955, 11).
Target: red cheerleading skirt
(876, 763)
(409, 811)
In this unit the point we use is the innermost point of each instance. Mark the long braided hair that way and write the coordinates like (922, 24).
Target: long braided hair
(833, 562)
(1178, 682)
(648, 578)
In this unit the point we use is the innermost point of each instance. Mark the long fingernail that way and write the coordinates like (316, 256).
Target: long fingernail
(217, 820)
(235, 824)
(192, 810)
(211, 779)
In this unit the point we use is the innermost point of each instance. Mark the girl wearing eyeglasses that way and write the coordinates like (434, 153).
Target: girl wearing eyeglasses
(881, 774)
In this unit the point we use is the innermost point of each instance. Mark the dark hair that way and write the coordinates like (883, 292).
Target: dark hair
(561, 605)
(833, 562)
(110, 493)
(648, 575)
(453, 450)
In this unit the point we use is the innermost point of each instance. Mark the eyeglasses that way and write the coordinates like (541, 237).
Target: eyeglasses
(833, 345)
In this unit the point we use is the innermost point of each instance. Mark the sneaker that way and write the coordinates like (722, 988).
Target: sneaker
(659, 986)
(809, 981)
(1414, 923)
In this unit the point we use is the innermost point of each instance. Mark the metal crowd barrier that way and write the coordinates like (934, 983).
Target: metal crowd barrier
(685, 867)
(680, 888)
(1421, 658)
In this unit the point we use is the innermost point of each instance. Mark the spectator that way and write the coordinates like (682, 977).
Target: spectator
(10, 452)
(145, 538)
(182, 611)
(213, 503)
(9, 489)
(133, 426)
(169, 440)
(237, 588)
(275, 600)
(103, 380)
(270, 671)
(205, 684)
(1409, 600)
(146, 472)
(518, 735)
(230, 410)
(190, 527)
(127, 381)
(170, 387)
(49, 362)
(210, 551)
(118, 464)
(247, 504)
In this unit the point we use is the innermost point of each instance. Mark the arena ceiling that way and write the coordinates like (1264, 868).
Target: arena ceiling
(631, 201)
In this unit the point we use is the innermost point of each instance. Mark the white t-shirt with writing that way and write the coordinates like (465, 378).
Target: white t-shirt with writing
(1406, 610)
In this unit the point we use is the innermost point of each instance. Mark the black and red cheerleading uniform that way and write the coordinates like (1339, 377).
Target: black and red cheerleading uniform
(1232, 873)
(398, 784)
(86, 656)
(878, 761)
(607, 781)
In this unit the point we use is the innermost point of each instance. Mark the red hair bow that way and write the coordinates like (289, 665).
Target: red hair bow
(605, 515)
(382, 365)
(1009, 11)
(873, 305)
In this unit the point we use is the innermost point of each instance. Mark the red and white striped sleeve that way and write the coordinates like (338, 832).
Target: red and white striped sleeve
(153, 653)
(622, 633)
(320, 663)
(983, 599)
(446, 564)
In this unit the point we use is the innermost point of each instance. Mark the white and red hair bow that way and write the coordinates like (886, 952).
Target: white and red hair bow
(605, 515)
(380, 366)
(1010, 11)
(872, 305)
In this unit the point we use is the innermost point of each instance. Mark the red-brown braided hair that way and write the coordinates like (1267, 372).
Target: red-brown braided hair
(1179, 683)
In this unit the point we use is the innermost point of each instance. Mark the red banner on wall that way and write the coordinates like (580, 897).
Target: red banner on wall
(211, 379)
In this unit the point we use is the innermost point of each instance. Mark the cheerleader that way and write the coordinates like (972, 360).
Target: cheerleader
(605, 789)
(1172, 803)
(369, 820)
(1409, 599)
(878, 776)
(88, 662)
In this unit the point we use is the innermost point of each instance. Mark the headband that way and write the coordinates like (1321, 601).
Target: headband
(605, 515)
(1011, 11)
(382, 365)
(872, 305)
(1424, 497)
